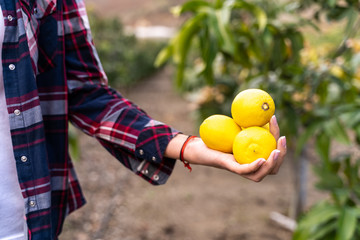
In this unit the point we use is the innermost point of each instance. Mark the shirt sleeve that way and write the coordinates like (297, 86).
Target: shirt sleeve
(126, 131)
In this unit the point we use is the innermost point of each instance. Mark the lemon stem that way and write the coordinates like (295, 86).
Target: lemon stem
(265, 106)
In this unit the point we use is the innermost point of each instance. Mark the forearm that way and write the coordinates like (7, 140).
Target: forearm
(195, 151)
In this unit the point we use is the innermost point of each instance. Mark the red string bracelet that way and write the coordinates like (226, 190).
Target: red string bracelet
(186, 163)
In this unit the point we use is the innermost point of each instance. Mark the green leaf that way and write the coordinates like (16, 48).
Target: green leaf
(351, 171)
(209, 50)
(219, 3)
(219, 21)
(324, 231)
(356, 190)
(163, 56)
(352, 15)
(279, 52)
(189, 6)
(319, 214)
(327, 179)
(331, 3)
(305, 136)
(182, 42)
(317, 218)
(341, 195)
(265, 43)
(357, 136)
(291, 123)
(337, 12)
(255, 10)
(297, 43)
(322, 146)
(335, 129)
(356, 210)
(351, 119)
(347, 224)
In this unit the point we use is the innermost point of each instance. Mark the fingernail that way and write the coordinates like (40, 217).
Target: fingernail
(283, 141)
(274, 120)
(261, 162)
(276, 154)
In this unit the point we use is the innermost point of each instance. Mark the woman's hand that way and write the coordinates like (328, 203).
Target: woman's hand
(196, 152)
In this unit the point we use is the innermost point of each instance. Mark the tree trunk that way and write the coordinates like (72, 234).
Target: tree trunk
(300, 169)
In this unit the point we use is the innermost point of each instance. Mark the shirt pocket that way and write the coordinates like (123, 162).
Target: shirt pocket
(41, 30)
(45, 15)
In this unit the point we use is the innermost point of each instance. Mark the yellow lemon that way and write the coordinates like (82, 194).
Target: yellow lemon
(253, 143)
(218, 132)
(267, 126)
(252, 107)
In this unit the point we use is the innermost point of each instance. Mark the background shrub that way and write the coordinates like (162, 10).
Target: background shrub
(125, 58)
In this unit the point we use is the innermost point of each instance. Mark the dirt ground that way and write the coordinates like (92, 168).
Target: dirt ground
(206, 204)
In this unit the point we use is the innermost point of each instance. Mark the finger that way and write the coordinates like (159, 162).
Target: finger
(283, 149)
(274, 127)
(267, 167)
(246, 169)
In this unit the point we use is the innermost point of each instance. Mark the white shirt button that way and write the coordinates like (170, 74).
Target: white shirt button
(156, 177)
(153, 158)
(12, 67)
(23, 158)
(10, 18)
(145, 171)
(17, 112)
(141, 152)
(32, 203)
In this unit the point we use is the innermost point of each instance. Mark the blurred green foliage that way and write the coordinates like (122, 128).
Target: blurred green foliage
(125, 58)
(226, 46)
(338, 218)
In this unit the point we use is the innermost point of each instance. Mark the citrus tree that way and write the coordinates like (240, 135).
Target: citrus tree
(338, 217)
(229, 45)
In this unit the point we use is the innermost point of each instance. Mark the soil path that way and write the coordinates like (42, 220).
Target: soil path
(206, 204)
(133, 12)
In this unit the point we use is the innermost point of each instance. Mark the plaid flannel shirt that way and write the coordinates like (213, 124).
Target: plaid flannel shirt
(52, 75)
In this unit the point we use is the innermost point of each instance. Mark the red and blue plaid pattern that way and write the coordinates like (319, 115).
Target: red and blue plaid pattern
(52, 75)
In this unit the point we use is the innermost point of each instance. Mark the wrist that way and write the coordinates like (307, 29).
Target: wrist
(174, 146)
(181, 157)
(190, 149)
(181, 147)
